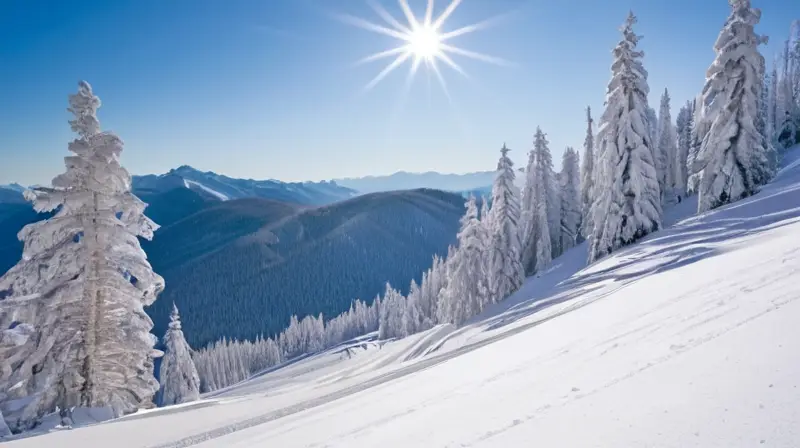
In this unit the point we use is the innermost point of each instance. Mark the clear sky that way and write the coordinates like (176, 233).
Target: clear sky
(269, 89)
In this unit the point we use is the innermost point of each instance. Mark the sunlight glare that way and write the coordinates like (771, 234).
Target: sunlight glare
(425, 42)
(421, 41)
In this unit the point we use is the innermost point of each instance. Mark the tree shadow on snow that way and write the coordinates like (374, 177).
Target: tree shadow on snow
(691, 239)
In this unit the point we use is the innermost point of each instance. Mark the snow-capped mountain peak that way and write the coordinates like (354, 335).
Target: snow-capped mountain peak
(223, 188)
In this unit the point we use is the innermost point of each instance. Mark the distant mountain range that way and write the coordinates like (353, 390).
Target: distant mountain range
(408, 181)
(240, 256)
(219, 187)
(225, 188)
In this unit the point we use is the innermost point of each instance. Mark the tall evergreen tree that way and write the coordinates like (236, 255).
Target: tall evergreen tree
(693, 164)
(82, 284)
(627, 203)
(667, 151)
(787, 127)
(180, 382)
(505, 266)
(772, 103)
(683, 129)
(467, 289)
(652, 127)
(587, 174)
(537, 239)
(762, 126)
(733, 157)
(570, 178)
(414, 318)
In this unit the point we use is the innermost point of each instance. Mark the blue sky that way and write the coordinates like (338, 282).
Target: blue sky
(268, 88)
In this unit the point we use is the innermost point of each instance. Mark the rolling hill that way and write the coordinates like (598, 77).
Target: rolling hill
(241, 268)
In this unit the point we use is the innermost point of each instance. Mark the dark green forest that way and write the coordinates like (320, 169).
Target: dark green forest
(241, 268)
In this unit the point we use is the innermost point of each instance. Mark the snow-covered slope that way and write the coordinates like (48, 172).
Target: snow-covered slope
(688, 339)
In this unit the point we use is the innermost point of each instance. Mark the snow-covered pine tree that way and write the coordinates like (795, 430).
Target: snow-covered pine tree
(82, 284)
(787, 132)
(659, 155)
(414, 319)
(627, 203)
(553, 201)
(537, 252)
(392, 315)
(587, 173)
(180, 382)
(772, 103)
(683, 125)
(466, 291)
(570, 178)
(652, 127)
(505, 266)
(733, 157)
(667, 151)
(695, 173)
(762, 125)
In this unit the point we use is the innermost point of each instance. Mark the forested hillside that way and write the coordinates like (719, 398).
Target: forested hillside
(241, 268)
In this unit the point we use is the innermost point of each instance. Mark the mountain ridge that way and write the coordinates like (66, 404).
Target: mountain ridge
(405, 180)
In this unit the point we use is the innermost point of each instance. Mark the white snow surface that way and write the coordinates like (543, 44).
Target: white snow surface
(687, 339)
(190, 183)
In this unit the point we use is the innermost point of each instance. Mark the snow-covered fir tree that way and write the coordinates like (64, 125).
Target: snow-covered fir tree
(667, 151)
(467, 291)
(392, 322)
(587, 174)
(433, 280)
(485, 218)
(627, 203)
(772, 103)
(537, 252)
(414, 318)
(652, 127)
(787, 113)
(570, 179)
(178, 376)
(82, 286)
(684, 132)
(505, 266)
(762, 126)
(732, 156)
(694, 167)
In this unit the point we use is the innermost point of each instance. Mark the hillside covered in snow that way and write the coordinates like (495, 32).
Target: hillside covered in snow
(688, 338)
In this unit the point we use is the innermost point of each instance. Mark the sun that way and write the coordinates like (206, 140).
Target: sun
(425, 42)
(421, 41)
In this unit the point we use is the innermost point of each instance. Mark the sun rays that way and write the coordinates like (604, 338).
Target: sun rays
(422, 41)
